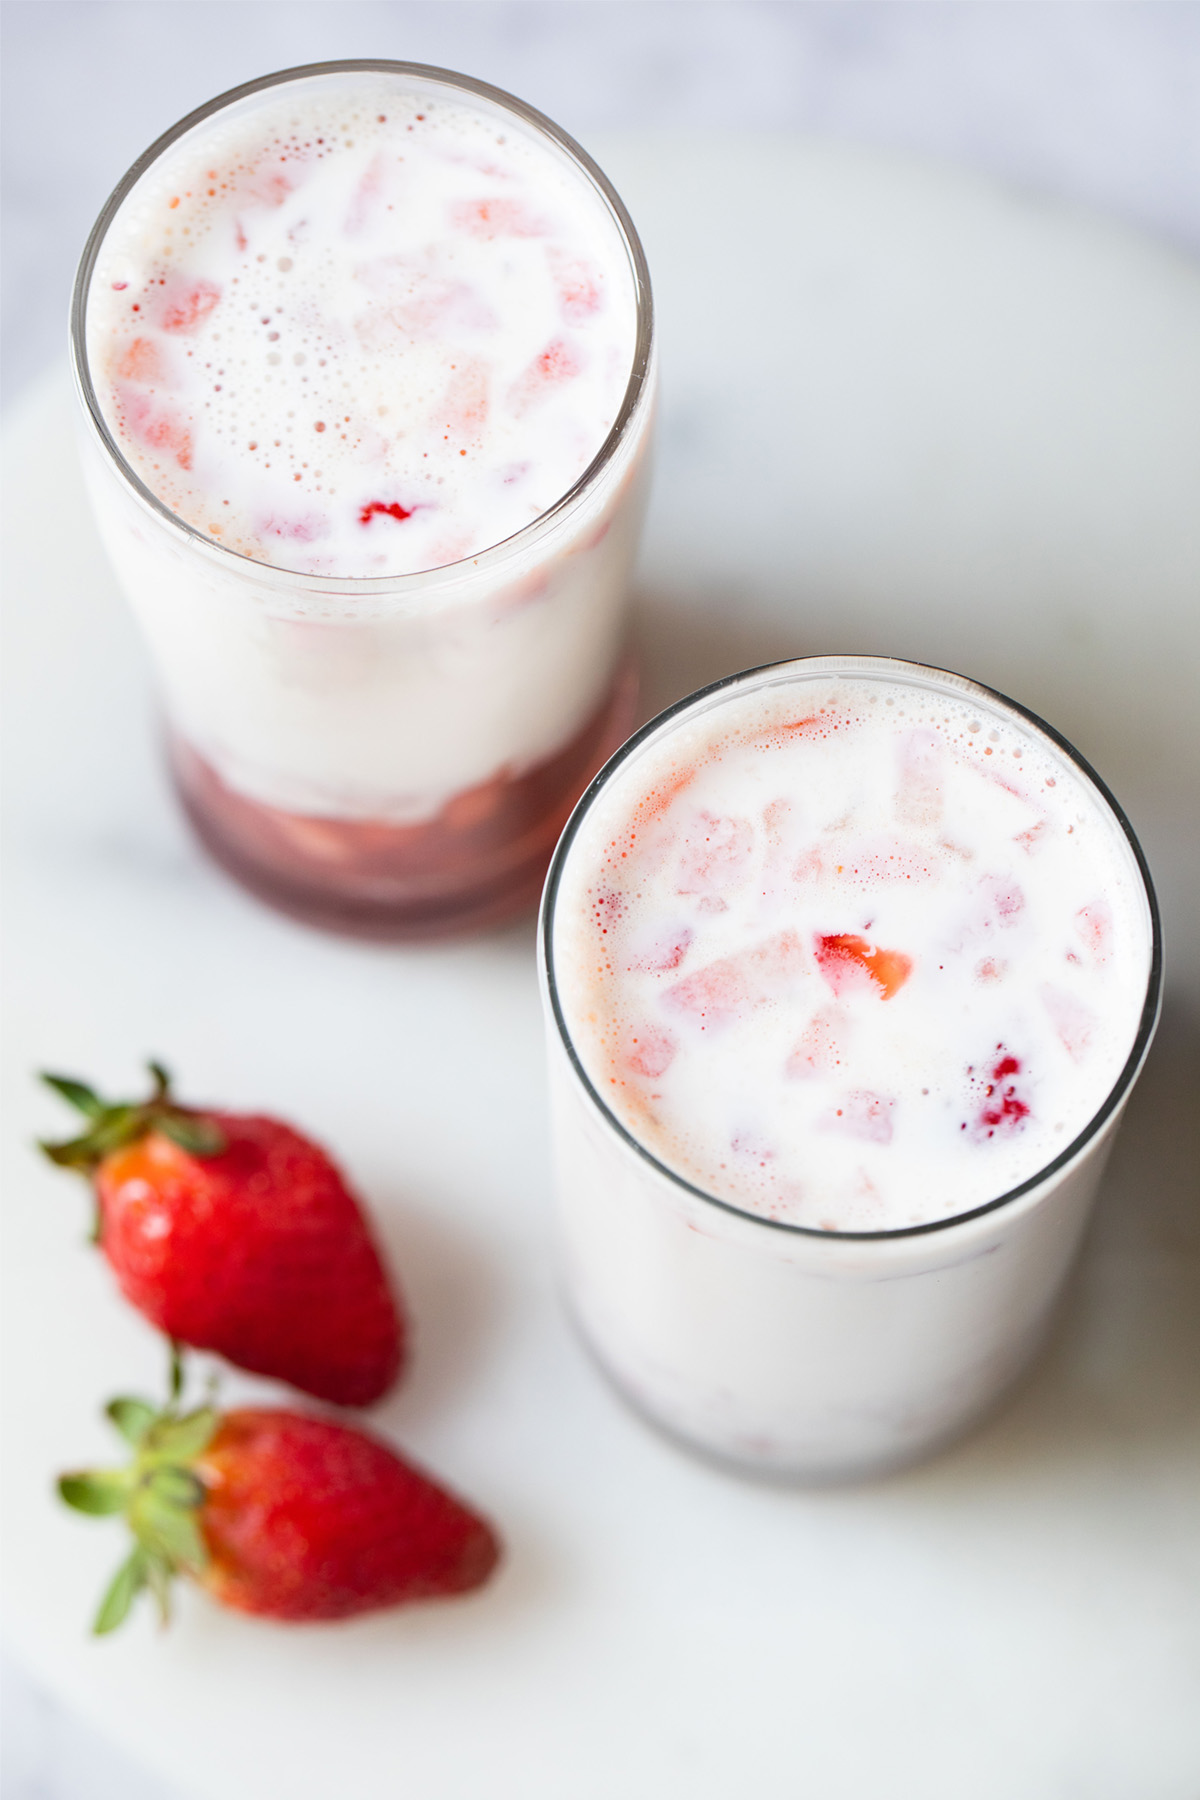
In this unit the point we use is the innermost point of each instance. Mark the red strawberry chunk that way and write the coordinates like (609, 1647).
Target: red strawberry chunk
(661, 950)
(559, 362)
(140, 360)
(364, 203)
(1031, 840)
(750, 1142)
(844, 960)
(1003, 902)
(919, 793)
(496, 216)
(717, 854)
(735, 986)
(818, 1050)
(1000, 1108)
(463, 409)
(1094, 924)
(269, 186)
(301, 528)
(650, 1050)
(183, 306)
(158, 427)
(862, 1114)
(389, 509)
(1074, 1022)
(580, 286)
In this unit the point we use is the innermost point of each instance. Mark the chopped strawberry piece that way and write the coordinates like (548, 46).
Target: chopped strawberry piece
(141, 360)
(751, 1143)
(580, 286)
(183, 306)
(391, 509)
(919, 792)
(717, 854)
(496, 216)
(844, 960)
(270, 187)
(421, 298)
(861, 1114)
(665, 949)
(1001, 1109)
(1074, 1022)
(158, 427)
(1003, 901)
(818, 1050)
(735, 986)
(650, 1050)
(1031, 839)
(305, 528)
(463, 408)
(559, 362)
(1094, 923)
(366, 198)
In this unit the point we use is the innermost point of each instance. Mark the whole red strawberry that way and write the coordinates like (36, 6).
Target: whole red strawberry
(279, 1514)
(234, 1233)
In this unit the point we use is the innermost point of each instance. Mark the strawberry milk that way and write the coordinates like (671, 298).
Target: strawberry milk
(366, 354)
(851, 965)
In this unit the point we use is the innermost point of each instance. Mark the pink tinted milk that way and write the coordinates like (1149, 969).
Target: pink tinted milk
(853, 951)
(366, 353)
(367, 333)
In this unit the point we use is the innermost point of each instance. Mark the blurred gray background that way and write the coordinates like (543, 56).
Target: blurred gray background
(1094, 103)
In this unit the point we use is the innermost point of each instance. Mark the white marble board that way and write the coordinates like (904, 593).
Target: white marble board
(904, 410)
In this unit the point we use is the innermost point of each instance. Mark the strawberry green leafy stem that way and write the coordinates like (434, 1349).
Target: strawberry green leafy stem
(159, 1493)
(113, 1125)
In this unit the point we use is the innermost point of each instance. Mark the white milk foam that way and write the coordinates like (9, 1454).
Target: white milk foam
(852, 953)
(361, 328)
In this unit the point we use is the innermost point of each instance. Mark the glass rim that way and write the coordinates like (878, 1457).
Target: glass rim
(832, 663)
(442, 574)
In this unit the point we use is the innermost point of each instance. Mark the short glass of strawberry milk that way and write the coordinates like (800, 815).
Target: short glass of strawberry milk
(849, 966)
(366, 362)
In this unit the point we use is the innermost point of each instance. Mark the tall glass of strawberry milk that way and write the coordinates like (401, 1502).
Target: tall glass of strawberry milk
(366, 360)
(849, 966)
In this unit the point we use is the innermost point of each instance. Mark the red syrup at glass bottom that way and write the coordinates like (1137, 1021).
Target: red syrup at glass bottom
(480, 861)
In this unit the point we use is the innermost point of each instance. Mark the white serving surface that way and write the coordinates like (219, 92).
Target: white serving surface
(904, 411)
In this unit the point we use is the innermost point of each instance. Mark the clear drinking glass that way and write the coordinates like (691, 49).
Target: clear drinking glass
(309, 717)
(783, 1348)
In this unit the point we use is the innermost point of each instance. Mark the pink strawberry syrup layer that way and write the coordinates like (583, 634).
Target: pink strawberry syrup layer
(477, 862)
(850, 952)
(367, 356)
